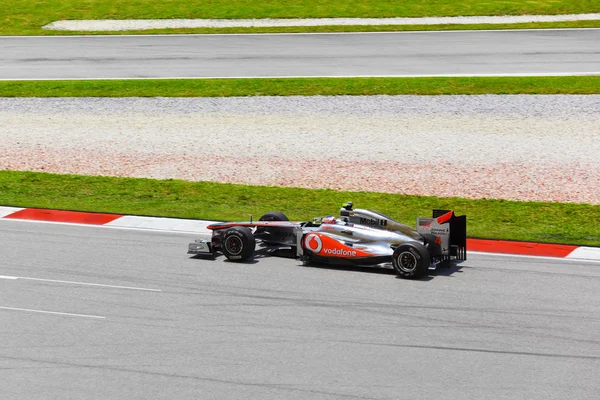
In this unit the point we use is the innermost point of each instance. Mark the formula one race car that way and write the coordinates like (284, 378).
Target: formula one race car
(358, 237)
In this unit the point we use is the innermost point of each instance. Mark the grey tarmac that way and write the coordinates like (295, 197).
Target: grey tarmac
(510, 52)
(493, 327)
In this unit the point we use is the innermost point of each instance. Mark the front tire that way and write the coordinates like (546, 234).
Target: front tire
(237, 243)
(271, 216)
(411, 260)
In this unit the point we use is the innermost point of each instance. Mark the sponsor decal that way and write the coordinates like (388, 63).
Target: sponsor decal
(371, 221)
(340, 252)
(283, 235)
(440, 231)
(313, 243)
(234, 233)
(434, 228)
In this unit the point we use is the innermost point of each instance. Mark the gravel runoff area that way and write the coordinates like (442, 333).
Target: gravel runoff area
(518, 147)
(142, 24)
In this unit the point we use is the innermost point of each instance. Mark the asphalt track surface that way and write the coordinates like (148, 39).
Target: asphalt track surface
(97, 313)
(510, 52)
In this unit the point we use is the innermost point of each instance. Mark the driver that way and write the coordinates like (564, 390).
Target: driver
(329, 220)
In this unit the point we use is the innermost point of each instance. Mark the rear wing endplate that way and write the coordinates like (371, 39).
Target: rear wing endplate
(451, 229)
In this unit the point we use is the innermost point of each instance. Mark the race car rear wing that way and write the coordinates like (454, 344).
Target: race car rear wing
(451, 229)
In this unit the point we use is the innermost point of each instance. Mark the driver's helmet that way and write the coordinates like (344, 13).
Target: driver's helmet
(329, 220)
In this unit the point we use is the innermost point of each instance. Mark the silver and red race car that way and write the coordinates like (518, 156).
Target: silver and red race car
(357, 236)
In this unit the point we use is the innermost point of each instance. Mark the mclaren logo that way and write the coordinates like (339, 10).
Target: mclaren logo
(313, 243)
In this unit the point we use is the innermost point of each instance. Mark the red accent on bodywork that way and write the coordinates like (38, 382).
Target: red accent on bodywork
(445, 218)
(77, 217)
(522, 248)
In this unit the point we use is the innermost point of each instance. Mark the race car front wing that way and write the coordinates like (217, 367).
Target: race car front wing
(201, 246)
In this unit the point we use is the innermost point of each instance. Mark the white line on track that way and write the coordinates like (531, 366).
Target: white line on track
(52, 312)
(78, 283)
(517, 74)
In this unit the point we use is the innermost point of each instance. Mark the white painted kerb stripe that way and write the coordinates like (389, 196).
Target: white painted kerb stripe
(585, 253)
(162, 224)
(4, 211)
(52, 312)
(549, 258)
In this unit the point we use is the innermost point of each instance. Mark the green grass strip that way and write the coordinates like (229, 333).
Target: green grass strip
(530, 221)
(26, 17)
(302, 87)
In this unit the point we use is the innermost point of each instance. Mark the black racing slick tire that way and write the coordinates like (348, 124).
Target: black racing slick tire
(274, 216)
(411, 260)
(271, 216)
(238, 243)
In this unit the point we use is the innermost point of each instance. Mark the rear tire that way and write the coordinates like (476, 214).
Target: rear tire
(238, 244)
(274, 216)
(411, 260)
